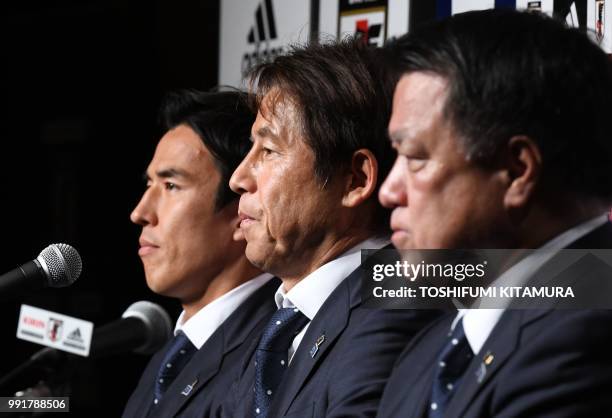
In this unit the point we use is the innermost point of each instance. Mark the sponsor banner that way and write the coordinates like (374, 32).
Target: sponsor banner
(490, 279)
(589, 15)
(544, 6)
(592, 16)
(598, 22)
(340, 18)
(466, 5)
(54, 330)
(366, 19)
(253, 31)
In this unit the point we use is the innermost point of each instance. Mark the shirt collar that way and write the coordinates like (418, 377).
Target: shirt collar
(309, 294)
(205, 322)
(478, 323)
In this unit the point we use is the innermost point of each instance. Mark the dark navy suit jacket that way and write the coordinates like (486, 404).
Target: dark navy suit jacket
(211, 370)
(541, 362)
(345, 377)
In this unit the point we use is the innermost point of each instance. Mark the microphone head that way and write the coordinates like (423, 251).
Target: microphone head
(157, 323)
(61, 263)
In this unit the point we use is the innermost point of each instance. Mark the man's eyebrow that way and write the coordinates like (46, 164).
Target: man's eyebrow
(171, 172)
(399, 135)
(266, 132)
(166, 173)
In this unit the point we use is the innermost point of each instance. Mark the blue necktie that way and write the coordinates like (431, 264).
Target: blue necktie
(453, 360)
(271, 356)
(178, 355)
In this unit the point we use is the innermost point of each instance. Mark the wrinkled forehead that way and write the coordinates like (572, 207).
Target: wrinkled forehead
(419, 100)
(280, 113)
(277, 102)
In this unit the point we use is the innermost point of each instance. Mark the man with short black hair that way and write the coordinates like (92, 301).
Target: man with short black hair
(502, 121)
(191, 250)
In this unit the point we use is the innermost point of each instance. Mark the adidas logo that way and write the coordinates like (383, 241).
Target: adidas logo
(265, 26)
(75, 336)
(574, 13)
(261, 33)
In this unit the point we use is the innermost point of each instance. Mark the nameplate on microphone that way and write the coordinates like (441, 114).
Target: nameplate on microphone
(54, 330)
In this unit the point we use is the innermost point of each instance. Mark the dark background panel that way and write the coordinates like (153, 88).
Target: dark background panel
(80, 86)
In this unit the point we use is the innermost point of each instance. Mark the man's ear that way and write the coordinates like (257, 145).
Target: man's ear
(361, 179)
(524, 167)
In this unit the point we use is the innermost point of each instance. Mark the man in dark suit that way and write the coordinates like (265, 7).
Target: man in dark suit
(191, 250)
(501, 120)
(307, 207)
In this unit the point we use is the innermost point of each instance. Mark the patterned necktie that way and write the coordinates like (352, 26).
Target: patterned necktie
(271, 355)
(452, 362)
(178, 355)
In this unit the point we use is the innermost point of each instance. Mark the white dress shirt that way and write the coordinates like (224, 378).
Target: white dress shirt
(479, 323)
(313, 290)
(205, 322)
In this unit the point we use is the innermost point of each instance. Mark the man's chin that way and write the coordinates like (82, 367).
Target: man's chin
(158, 285)
(254, 256)
(402, 240)
(260, 257)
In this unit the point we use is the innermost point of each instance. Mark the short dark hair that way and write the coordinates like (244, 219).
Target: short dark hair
(343, 101)
(518, 73)
(222, 120)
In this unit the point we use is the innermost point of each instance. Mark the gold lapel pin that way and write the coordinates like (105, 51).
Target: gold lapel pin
(481, 373)
(315, 348)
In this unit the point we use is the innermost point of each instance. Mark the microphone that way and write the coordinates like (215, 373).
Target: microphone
(58, 265)
(143, 328)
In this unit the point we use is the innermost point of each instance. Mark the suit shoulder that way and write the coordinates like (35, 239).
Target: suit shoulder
(559, 356)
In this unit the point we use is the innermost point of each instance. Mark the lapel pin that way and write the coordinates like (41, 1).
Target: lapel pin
(481, 373)
(487, 360)
(189, 388)
(315, 348)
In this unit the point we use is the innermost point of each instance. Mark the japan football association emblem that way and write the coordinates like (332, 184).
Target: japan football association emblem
(54, 329)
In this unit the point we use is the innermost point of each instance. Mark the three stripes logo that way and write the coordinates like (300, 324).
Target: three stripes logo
(75, 336)
(265, 26)
(75, 340)
(260, 35)
(573, 12)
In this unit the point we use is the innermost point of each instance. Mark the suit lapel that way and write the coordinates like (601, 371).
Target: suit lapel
(206, 362)
(146, 401)
(322, 332)
(244, 392)
(422, 371)
(144, 390)
(496, 351)
(504, 339)
(328, 324)
(201, 368)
